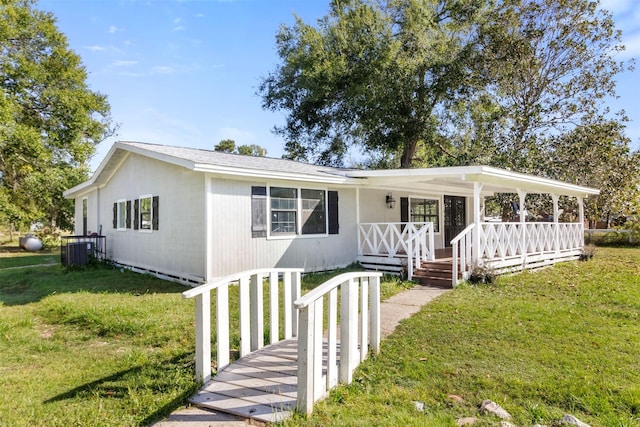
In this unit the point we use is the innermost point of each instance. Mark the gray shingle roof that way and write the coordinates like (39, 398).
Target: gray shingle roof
(214, 158)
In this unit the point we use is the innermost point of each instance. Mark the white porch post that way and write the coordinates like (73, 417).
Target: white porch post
(581, 217)
(359, 237)
(556, 221)
(522, 195)
(477, 220)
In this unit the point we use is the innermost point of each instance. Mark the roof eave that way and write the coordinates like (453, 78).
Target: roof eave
(275, 175)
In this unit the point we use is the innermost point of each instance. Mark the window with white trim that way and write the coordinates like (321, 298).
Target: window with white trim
(284, 210)
(145, 212)
(426, 210)
(122, 214)
(302, 211)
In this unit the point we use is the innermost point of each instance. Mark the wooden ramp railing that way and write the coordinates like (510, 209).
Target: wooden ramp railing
(251, 302)
(359, 312)
(321, 363)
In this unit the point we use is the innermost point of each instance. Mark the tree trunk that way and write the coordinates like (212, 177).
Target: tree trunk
(408, 153)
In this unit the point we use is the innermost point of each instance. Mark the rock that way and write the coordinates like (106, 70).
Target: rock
(571, 420)
(539, 425)
(466, 421)
(495, 409)
(419, 405)
(455, 398)
(506, 424)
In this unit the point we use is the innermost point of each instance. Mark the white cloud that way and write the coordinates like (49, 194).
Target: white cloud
(122, 63)
(178, 28)
(162, 69)
(95, 48)
(632, 46)
(616, 6)
(113, 29)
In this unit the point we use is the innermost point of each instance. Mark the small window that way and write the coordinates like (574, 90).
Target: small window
(122, 215)
(426, 210)
(284, 208)
(258, 211)
(145, 212)
(84, 216)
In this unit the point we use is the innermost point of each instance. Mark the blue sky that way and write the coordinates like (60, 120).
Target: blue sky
(185, 73)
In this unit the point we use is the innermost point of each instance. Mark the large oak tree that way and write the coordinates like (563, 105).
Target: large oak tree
(50, 120)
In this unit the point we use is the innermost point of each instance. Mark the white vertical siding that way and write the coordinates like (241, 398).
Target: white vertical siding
(234, 249)
(178, 247)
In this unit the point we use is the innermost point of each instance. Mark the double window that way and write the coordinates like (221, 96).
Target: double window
(145, 213)
(293, 211)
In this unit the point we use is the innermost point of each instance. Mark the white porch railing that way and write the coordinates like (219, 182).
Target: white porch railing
(251, 325)
(462, 254)
(514, 245)
(396, 240)
(420, 247)
(359, 312)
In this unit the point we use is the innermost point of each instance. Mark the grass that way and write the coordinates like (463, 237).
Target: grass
(14, 257)
(98, 347)
(104, 347)
(565, 340)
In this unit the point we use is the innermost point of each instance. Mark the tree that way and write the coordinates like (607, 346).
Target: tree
(553, 63)
(600, 156)
(229, 146)
(50, 121)
(374, 75)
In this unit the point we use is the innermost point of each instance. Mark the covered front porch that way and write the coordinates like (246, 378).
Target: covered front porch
(433, 225)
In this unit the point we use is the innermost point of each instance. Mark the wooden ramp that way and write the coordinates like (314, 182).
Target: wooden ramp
(261, 386)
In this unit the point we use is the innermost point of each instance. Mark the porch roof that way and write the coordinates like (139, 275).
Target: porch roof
(462, 178)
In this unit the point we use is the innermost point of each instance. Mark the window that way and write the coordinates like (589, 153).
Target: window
(258, 211)
(426, 210)
(145, 213)
(84, 216)
(314, 220)
(284, 210)
(122, 215)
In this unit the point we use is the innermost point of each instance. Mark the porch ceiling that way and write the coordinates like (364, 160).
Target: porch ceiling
(461, 180)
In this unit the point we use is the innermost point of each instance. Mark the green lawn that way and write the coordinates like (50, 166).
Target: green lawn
(564, 340)
(104, 347)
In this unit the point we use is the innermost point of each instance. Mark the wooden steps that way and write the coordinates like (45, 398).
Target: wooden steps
(435, 273)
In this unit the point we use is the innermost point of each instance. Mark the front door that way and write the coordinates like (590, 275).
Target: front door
(454, 217)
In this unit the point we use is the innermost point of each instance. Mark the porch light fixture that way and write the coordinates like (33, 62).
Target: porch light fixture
(390, 201)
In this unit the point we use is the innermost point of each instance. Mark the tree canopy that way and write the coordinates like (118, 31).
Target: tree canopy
(50, 120)
(518, 84)
(229, 146)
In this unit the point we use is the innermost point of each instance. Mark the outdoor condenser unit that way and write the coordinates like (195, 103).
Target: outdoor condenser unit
(78, 253)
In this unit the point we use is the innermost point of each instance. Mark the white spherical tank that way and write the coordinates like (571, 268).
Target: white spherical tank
(32, 244)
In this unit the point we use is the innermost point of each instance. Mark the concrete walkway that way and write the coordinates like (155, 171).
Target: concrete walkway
(392, 311)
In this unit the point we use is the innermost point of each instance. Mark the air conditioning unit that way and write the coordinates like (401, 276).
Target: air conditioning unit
(79, 253)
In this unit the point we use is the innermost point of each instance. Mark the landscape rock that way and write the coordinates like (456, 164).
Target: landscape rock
(506, 424)
(455, 398)
(419, 405)
(489, 406)
(539, 425)
(573, 421)
(466, 421)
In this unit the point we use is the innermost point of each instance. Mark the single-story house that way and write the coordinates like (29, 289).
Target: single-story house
(197, 215)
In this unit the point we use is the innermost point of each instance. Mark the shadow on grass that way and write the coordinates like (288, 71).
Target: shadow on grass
(153, 380)
(28, 285)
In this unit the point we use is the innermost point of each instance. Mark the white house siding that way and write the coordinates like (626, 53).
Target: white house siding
(233, 248)
(178, 246)
(373, 208)
(92, 213)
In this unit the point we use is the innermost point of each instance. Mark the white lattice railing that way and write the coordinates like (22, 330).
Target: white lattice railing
(514, 244)
(386, 238)
(319, 368)
(511, 239)
(250, 292)
(420, 247)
